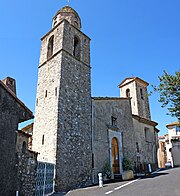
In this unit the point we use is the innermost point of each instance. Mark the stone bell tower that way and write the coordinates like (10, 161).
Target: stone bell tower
(136, 89)
(62, 126)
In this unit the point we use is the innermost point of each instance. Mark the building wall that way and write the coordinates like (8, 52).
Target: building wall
(172, 143)
(29, 130)
(173, 131)
(11, 113)
(162, 157)
(26, 165)
(74, 124)
(143, 102)
(147, 146)
(103, 110)
(46, 112)
(133, 94)
(168, 145)
(176, 152)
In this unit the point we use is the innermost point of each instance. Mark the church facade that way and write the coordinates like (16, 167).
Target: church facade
(78, 133)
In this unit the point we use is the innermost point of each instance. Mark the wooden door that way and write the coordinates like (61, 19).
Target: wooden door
(115, 156)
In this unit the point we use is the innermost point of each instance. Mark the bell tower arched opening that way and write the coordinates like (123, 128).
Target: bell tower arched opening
(76, 50)
(50, 47)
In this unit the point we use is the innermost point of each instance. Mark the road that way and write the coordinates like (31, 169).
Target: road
(162, 183)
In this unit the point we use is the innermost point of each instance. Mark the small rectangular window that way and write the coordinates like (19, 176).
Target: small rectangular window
(113, 121)
(56, 91)
(92, 160)
(46, 93)
(137, 147)
(43, 140)
(141, 92)
(148, 135)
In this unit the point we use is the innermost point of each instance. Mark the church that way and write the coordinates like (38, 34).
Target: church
(79, 134)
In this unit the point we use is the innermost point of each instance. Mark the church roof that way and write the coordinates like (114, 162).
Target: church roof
(16, 99)
(132, 79)
(146, 121)
(173, 124)
(67, 9)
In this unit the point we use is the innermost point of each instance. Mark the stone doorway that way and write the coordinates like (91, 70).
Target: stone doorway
(115, 155)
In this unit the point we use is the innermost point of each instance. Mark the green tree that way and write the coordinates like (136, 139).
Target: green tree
(169, 90)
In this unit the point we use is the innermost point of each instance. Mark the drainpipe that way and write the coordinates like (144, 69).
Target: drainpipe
(92, 137)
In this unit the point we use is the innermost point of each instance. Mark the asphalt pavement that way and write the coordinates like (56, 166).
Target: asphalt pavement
(163, 183)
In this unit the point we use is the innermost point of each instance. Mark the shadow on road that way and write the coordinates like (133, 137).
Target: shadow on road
(155, 175)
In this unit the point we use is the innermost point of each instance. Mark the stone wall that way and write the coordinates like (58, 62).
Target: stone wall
(26, 164)
(139, 101)
(103, 110)
(46, 112)
(74, 124)
(147, 142)
(12, 112)
(143, 101)
(162, 157)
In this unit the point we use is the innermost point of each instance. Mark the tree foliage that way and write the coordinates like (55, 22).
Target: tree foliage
(169, 90)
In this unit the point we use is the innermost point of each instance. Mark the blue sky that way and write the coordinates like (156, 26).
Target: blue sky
(128, 38)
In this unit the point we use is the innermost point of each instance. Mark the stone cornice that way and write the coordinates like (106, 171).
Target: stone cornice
(131, 80)
(64, 20)
(110, 98)
(144, 120)
(62, 50)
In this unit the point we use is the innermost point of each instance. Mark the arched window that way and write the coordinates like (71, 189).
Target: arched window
(24, 147)
(76, 50)
(127, 93)
(50, 47)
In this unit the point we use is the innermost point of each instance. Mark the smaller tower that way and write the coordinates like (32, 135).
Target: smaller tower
(136, 89)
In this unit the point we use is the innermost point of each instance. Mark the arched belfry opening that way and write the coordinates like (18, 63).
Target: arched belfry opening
(127, 92)
(77, 48)
(115, 155)
(50, 47)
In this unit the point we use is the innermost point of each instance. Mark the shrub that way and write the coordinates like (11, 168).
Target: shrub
(126, 164)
